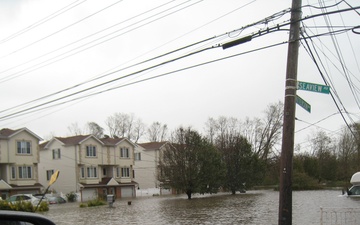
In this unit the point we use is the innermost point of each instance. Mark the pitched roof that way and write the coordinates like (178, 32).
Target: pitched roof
(112, 141)
(69, 141)
(43, 145)
(73, 140)
(152, 145)
(6, 133)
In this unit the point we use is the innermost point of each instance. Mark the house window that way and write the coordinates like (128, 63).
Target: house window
(90, 151)
(104, 171)
(13, 172)
(24, 147)
(124, 152)
(82, 172)
(125, 172)
(91, 172)
(117, 171)
(25, 172)
(56, 153)
(49, 173)
(137, 156)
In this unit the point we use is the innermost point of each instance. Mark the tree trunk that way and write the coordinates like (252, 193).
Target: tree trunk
(189, 192)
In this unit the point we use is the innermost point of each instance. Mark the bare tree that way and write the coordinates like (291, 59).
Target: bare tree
(157, 132)
(346, 150)
(210, 129)
(220, 127)
(49, 136)
(95, 129)
(323, 150)
(74, 129)
(251, 130)
(271, 132)
(112, 125)
(123, 122)
(125, 125)
(138, 131)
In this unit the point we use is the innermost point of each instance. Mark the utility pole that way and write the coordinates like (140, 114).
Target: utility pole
(287, 148)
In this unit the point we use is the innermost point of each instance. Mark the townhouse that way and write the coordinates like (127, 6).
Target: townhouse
(19, 160)
(147, 159)
(89, 166)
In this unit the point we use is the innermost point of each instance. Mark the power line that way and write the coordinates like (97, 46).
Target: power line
(43, 20)
(26, 111)
(86, 37)
(34, 109)
(23, 111)
(314, 124)
(90, 44)
(64, 28)
(148, 60)
(321, 74)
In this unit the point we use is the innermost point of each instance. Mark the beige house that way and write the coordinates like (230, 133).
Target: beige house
(89, 166)
(147, 158)
(19, 160)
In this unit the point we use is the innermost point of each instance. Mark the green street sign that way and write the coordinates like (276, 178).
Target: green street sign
(313, 87)
(303, 104)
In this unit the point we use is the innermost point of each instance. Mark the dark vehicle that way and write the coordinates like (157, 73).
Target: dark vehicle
(23, 218)
(56, 200)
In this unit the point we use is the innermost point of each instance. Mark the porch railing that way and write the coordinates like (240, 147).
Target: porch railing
(340, 216)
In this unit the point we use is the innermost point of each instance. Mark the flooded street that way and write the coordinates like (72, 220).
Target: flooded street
(254, 207)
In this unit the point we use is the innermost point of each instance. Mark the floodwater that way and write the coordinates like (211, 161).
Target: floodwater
(253, 207)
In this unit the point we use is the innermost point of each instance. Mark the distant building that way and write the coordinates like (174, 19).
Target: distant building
(147, 159)
(89, 166)
(19, 160)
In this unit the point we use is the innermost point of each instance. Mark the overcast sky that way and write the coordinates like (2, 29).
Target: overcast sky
(89, 47)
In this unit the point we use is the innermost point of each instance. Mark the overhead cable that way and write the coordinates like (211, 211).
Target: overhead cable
(64, 28)
(42, 21)
(260, 32)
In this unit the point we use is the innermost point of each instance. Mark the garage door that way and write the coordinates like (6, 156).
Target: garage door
(127, 192)
(88, 194)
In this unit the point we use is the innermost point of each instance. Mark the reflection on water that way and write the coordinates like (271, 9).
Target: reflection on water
(254, 207)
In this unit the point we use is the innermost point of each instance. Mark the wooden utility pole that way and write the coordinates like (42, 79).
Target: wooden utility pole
(287, 148)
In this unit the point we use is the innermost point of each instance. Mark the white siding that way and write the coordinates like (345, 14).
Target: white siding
(145, 169)
(66, 181)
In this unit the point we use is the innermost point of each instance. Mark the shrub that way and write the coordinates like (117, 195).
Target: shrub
(43, 207)
(71, 197)
(23, 206)
(96, 202)
(301, 181)
(4, 205)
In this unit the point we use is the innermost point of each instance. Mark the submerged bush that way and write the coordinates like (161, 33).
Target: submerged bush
(96, 202)
(71, 197)
(23, 206)
(301, 181)
(43, 207)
